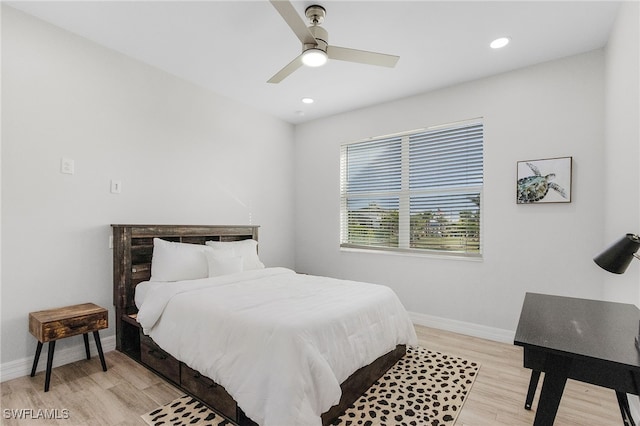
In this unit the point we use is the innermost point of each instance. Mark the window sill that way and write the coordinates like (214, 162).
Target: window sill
(414, 253)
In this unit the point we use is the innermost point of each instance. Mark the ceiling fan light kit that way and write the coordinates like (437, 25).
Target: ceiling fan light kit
(315, 45)
(314, 57)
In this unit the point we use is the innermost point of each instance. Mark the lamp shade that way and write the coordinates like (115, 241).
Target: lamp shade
(617, 258)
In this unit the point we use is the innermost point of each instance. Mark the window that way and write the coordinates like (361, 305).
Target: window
(419, 191)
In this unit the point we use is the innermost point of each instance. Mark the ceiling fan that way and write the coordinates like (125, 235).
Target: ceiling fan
(315, 46)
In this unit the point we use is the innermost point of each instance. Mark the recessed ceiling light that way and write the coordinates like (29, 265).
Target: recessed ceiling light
(500, 42)
(307, 101)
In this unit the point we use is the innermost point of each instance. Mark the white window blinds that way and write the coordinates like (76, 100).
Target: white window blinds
(418, 191)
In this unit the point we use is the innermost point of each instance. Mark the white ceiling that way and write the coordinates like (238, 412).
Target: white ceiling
(234, 47)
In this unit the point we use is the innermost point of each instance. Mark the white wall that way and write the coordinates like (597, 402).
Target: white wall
(549, 110)
(120, 119)
(184, 156)
(622, 153)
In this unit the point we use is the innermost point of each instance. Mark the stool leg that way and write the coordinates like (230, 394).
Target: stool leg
(36, 359)
(85, 336)
(533, 385)
(52, 346)
(96, 337)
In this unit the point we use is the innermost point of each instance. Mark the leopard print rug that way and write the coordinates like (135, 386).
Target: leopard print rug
(422, 388)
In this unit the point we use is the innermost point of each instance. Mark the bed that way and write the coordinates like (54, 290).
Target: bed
(236, 340)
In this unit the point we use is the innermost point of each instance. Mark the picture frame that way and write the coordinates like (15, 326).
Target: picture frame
(544, 181)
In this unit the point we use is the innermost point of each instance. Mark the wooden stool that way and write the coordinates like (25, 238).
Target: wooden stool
(53, 324)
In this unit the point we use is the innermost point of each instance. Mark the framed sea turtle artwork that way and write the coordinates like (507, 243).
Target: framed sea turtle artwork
(544, 181)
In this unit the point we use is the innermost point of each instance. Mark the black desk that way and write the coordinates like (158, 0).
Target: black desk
(587, 340)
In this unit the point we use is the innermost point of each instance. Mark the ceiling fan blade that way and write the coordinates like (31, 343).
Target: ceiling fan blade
(287, 70)
(362, 56)
(295, 22)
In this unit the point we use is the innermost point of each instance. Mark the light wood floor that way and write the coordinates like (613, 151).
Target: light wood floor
(498, 394)
(127, 390)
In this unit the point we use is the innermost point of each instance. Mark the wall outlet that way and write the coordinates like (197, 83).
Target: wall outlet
(116, 186)
(67, 166)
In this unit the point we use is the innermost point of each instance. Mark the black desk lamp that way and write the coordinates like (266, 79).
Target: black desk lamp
(617, 258)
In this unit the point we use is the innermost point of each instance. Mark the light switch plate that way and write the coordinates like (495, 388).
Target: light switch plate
(116, 186)
(67, 166)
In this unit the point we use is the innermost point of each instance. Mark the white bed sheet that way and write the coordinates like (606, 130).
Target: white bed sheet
(279, 342)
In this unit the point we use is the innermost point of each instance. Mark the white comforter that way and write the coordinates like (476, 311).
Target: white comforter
(279, 342)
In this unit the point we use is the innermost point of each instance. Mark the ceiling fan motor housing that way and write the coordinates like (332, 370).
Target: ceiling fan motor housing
(321, 36)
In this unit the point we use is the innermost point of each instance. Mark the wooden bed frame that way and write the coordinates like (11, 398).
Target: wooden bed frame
(132, 252)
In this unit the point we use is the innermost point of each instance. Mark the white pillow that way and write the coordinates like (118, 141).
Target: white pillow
(178, 261)
(247, 249)
(222, 265)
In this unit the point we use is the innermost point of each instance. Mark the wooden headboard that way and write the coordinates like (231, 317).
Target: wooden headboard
(133, 249)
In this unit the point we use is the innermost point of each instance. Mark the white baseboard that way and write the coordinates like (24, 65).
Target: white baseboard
(22, 367)
(467, 328)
